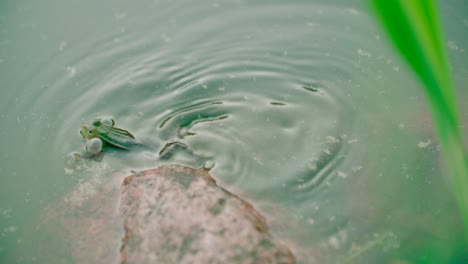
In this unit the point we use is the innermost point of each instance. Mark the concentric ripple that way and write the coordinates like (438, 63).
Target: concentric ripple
(239, 94)
(265, 103)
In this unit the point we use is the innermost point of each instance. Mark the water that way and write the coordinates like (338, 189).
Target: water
(348, 170)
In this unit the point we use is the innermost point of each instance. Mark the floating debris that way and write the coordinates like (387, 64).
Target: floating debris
(424, 144)
(277, 103)
(310, 87)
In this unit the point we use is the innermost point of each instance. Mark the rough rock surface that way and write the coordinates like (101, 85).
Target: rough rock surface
(175, 214)
(170, 214)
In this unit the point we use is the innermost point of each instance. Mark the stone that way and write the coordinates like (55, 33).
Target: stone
(170, 214)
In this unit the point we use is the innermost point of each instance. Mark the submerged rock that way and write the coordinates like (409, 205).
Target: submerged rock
(170, 214)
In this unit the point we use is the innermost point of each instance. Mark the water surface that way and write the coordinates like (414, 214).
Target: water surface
(302, 106)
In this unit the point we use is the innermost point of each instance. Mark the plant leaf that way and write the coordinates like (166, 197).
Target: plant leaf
(414, 27)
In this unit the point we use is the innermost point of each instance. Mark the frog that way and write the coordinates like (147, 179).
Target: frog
(105, 130)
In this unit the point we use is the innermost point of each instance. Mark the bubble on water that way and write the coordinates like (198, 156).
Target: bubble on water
(5, 213)
(404, 167)
(63, 44)
(356, 168)
(310, 220)
(353, 11)
(258, 160)
(208, 165)
(363, 53)
(10, 229)
(120, 15)
(452, 45)
(71, 71)
(342, 174)
(166, 38)
(331, 139)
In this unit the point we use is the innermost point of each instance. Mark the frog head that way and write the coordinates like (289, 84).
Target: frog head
(88, 132)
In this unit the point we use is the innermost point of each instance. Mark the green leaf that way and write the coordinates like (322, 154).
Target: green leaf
(414, 27)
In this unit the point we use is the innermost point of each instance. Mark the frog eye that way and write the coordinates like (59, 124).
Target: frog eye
(89, 132)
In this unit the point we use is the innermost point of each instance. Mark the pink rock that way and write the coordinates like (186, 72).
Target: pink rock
(170, 214)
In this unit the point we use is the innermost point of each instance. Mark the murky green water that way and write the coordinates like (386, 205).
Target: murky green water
(347, 171)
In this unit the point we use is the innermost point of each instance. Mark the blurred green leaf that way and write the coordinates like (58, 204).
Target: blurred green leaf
(414, 27)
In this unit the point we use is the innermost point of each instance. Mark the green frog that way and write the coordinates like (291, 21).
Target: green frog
(103, 133)
(104, 129)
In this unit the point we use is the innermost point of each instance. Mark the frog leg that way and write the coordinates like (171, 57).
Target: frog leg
(173, 147)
